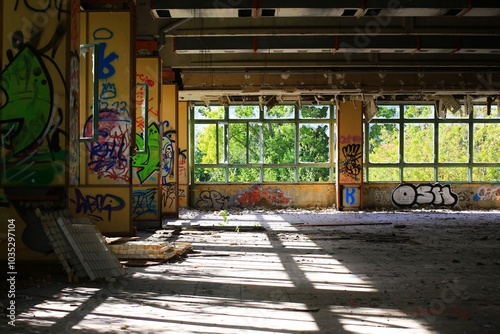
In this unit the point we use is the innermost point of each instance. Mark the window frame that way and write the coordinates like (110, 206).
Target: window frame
(297, 120)
(470, 121)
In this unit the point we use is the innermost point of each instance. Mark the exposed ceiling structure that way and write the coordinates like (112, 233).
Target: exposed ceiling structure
(241, 50)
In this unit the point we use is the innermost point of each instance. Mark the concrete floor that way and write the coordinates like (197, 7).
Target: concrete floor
(306, 272)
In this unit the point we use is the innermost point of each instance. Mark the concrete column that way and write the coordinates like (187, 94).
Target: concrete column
(170, 163)
(183, 145)
(35, 70)
(146, 162)
(103, 189)
(349, 155)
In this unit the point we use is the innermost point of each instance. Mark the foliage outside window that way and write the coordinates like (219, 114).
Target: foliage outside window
(407, 143)
(236, 144)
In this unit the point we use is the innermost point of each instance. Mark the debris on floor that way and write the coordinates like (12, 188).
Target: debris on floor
(147, 250)
(146, 253)
(80, 247)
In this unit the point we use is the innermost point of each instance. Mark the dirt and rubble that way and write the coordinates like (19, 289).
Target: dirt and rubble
(292, 271)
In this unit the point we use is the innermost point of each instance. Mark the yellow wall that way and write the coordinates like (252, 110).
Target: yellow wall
(146, 173)
(377, 196)
(426, 195)
(33, 70)
(169, 163)
(183, 137)
(108, 207)
(102, 190)
(222, 196)
(349, 154)
(30, 240)
(108, 159)
(34, 117)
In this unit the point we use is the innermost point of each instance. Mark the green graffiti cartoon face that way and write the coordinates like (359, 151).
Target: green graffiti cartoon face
(149, 162)
(27, 89)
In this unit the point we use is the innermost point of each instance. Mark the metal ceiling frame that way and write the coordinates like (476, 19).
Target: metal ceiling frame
(395, 46)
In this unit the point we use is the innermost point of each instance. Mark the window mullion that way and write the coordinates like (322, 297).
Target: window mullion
(297, 144)
(247, 160)
(333, 142)
(401, 141)
(436, 147)
(471, 146)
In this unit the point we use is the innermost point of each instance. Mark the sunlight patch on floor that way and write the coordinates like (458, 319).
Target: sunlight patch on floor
(366, 320)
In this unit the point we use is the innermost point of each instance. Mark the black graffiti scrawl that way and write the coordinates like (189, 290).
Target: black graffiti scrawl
(408, 195)
(351, 164)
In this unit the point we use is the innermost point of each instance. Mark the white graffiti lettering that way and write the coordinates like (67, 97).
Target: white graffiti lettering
(408, 195)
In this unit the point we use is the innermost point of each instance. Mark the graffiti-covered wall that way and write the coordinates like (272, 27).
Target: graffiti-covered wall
(349, 154)
(37, 41)
(183, 160)
(146, 173)
(169, 147)
(431, 195)
(108, 158)
(34, 93)
(396, 196)
(101, 190)
(269, 196)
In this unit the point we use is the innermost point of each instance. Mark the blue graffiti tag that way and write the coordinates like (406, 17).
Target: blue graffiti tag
(106, 70)
(88, 204)
(143, 202)
(104, 156)
(349, 196)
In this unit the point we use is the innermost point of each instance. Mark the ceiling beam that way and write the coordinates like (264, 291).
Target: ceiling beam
(318, 8)
(336, 27)
(488, 45)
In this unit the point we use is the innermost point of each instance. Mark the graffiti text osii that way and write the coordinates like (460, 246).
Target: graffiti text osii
(408, 195)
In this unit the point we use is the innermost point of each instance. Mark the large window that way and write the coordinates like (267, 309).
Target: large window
(407, 143)
(246, 144)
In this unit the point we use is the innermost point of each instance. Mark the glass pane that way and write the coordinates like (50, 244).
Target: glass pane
(216, 112)
(221, 142)
(453, 174)
(205, 143)
(453, 143)
(314, 143)
(279, 143)
(419, 142)
(322, 112)
(255, 145)
(280, 112)
(419, 111)
(486, 174)
(387, 112)
(244, 112)
(486, 142)
(481, 111)
(237, 143)
(209, 174)
(314, 174)
(383, 174)
(417, 174)
(383, 143)
(244, 174)
(279, 174)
